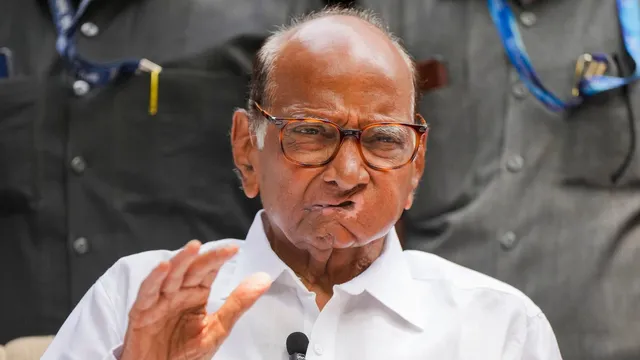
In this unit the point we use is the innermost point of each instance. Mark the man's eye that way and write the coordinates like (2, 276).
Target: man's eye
(307, 130)
(383, 139)
(387, 139)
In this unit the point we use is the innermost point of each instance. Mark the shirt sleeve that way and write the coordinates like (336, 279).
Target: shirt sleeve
(90, 332)
(541, 343)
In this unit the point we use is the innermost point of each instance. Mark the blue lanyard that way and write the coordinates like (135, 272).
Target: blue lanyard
(66, 19)
(629, 17)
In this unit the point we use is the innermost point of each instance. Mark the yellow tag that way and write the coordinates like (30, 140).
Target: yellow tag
(153, 91)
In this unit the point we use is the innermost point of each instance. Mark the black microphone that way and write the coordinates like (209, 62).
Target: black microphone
(297, 344)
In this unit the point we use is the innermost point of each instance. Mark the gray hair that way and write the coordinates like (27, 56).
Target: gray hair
(262, 89)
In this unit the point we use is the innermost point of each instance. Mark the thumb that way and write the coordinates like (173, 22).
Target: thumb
(220, 323)
(241, 299)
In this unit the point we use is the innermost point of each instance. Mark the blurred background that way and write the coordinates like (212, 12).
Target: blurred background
(97, 162)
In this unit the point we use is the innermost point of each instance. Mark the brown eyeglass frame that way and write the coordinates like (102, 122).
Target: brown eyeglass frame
(280, 122)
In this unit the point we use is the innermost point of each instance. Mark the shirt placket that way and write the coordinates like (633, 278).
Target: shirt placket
(323, 332)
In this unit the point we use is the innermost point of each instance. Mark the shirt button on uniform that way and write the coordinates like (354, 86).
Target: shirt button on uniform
(81, 87)
(81, 245)
(318, 349)
(508, 240)
(528, 18)
(78, 165)
(515, 163)
(519, 90)
(89, 29)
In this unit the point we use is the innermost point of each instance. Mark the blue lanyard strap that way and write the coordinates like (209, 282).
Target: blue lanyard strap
(629, 17)
(66, 20)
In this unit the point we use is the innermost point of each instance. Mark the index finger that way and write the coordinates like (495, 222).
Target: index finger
(179, 265)
(208, 263)
(149, 291)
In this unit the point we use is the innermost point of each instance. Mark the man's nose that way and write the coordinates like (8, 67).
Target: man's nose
(347, 170)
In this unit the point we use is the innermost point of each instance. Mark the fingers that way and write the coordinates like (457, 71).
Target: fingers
(208, 279)
(187, 277)
(179, 266)
(190, 301)
(150, 288)
(204, 269)
(240, 300)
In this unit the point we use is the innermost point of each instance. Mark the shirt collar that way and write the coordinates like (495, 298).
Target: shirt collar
(388, 279)
(258, 254)
(255, 255)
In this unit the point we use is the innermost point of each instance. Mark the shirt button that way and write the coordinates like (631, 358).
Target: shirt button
(528, 18)
(519, 90)
(81, 87)
(508, 240)
(81, 246)
(515, 163)
(318, 349)
(89, 29)
(78, 165)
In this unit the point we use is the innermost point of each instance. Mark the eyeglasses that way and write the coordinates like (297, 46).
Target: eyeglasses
(313, 142)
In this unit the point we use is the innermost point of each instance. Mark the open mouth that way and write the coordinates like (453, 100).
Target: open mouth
(346, 205)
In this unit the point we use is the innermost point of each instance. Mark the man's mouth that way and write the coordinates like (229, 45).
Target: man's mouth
(345, 205)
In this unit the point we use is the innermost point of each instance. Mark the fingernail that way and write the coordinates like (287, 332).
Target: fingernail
(193, 243)
(233, 248)
(230, 251)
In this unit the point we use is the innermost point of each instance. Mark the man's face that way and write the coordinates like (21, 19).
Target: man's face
(353, 77)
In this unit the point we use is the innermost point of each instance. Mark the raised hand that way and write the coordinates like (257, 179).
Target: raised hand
(169, 320)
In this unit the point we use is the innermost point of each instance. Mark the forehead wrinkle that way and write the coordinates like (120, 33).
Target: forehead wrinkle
(380, 97)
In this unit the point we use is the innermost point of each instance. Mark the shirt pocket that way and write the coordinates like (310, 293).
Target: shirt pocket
(629, 171)
(597, 136)
(598, 140)
(18, 111)
(181, 156)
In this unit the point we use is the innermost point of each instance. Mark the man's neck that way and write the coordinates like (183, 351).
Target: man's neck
(320, 270)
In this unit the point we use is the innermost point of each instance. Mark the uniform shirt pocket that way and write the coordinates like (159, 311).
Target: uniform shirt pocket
(18, 111)
(182, 155)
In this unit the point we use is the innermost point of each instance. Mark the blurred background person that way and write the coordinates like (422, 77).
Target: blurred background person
(102, 154)
(517, 187)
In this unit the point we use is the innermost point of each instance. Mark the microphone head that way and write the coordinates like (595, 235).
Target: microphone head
(297, 342)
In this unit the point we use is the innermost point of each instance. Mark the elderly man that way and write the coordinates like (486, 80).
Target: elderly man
(330, 143)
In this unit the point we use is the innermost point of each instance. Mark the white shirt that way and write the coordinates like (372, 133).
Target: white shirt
(406, 305)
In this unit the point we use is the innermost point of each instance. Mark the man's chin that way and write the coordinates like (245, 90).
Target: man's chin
(336, 228)
(328, 231)
(329, 241)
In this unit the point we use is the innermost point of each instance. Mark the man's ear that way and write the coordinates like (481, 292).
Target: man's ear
(418, 170)
(244, 153)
